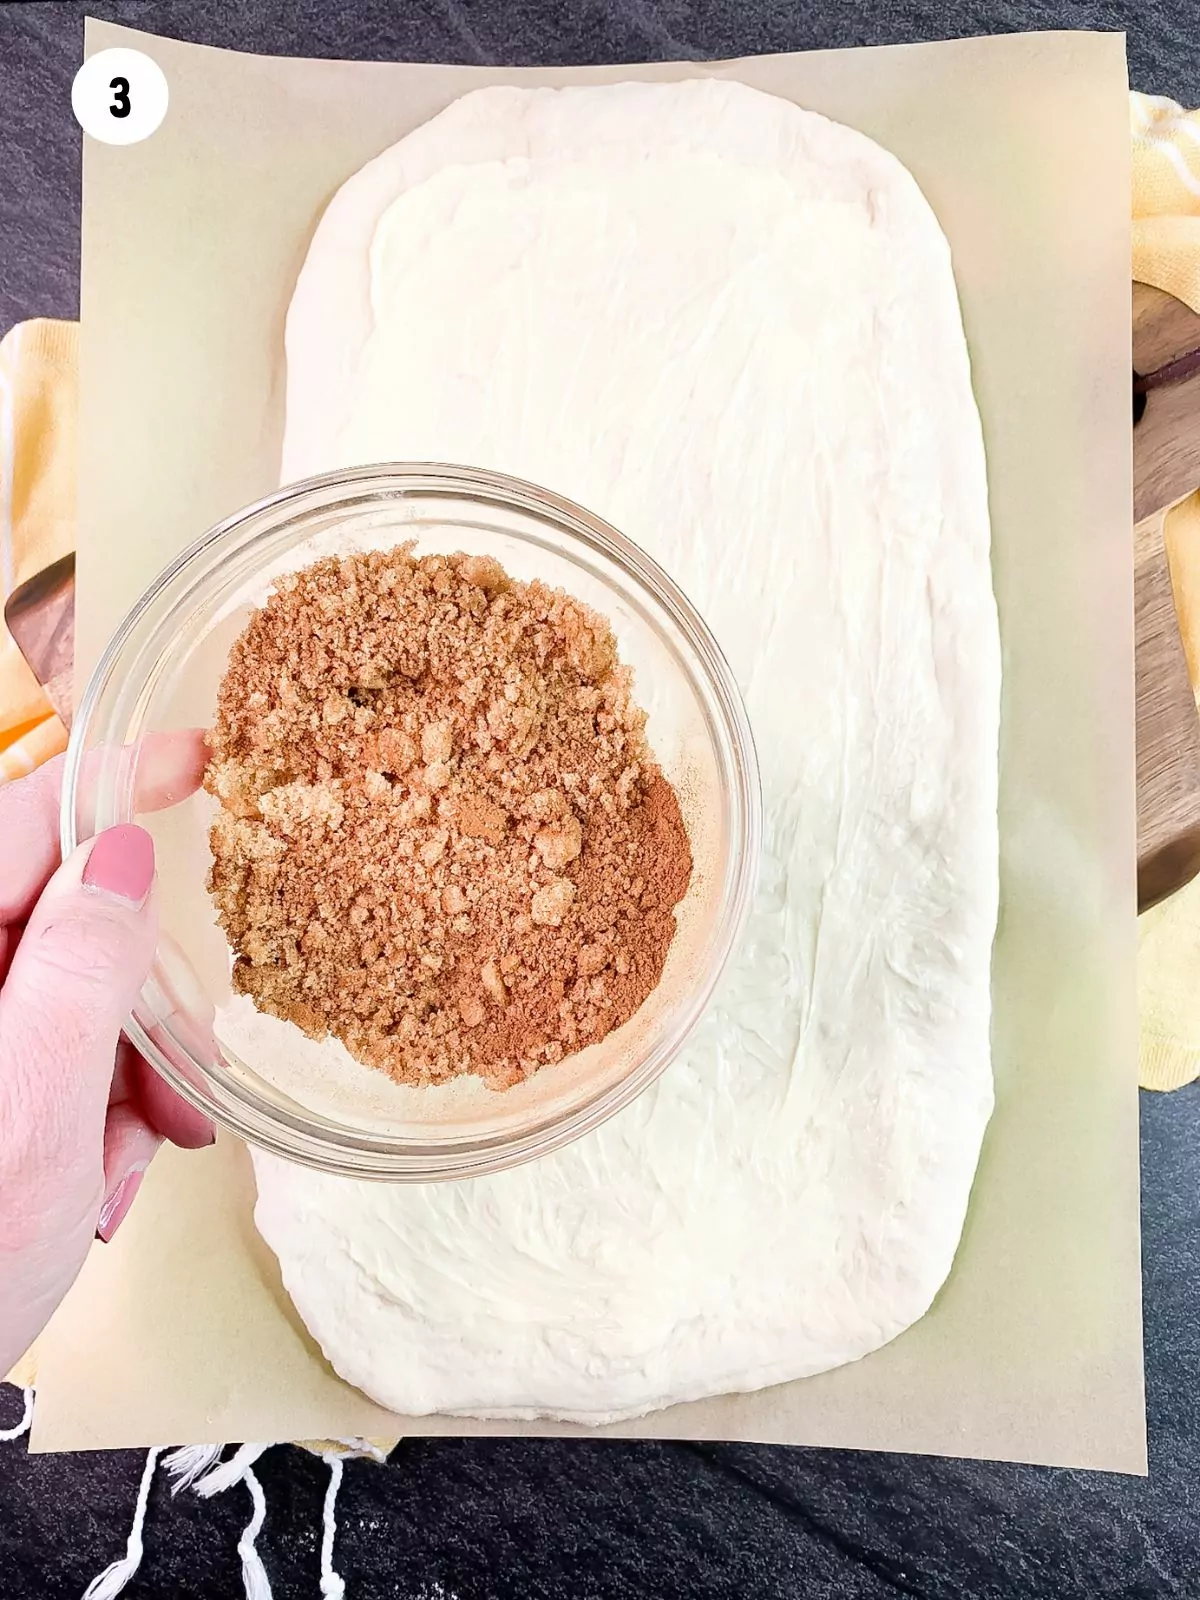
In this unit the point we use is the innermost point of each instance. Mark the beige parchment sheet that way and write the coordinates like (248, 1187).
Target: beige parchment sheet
(179, 1331)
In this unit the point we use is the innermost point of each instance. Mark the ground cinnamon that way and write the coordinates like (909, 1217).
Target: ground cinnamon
(443, 838)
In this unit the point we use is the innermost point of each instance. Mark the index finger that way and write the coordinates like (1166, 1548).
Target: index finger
(169, 768)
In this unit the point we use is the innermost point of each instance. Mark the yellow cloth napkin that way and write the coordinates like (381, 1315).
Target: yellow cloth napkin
(39, 363)
(1166, 196)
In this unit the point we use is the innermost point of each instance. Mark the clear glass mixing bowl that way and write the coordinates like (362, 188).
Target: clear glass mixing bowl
(161, 672)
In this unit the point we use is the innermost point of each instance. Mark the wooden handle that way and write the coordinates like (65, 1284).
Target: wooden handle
(1168, 728)
(40, 615)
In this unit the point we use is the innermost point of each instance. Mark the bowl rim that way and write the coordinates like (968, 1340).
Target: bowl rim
(368, 1156)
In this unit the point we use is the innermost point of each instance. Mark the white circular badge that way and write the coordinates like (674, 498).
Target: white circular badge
(119, 96)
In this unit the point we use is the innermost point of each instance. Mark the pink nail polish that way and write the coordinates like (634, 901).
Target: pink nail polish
(122, 863)
(116, 1207)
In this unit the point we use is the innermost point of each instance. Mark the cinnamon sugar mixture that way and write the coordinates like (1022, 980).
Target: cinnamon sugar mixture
(443, 838)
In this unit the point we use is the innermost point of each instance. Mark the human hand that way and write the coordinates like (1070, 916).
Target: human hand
(81, 1113)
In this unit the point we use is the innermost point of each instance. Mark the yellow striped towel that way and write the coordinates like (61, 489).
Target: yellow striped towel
(1166, 196)
(38, 400)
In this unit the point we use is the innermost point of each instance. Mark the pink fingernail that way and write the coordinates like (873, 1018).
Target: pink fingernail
(122, 863)
(116, 1207)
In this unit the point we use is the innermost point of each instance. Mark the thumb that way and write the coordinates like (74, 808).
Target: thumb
(81, 961)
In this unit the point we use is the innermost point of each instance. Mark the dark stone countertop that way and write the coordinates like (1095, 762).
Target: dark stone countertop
(568, 1520)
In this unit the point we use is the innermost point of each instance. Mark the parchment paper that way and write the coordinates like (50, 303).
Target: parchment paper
(179, 1331)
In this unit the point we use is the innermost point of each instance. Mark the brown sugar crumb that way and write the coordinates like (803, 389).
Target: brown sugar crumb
(442, 838)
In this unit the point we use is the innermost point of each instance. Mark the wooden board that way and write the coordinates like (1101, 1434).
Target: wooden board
(40, 615)
(1168, 729)
(1166, 438)
(1166, 468)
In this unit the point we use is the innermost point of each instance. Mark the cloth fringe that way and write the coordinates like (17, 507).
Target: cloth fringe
(254, 1575)
(224, 1476)
(332, 1585)
(112, 1581)
(197, 1467)
(186, 1464)
(216, 1480)
(7, 1435)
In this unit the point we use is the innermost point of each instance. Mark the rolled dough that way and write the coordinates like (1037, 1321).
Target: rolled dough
(730, 327)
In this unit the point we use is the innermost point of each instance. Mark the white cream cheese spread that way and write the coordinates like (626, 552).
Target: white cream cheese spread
(730, 327)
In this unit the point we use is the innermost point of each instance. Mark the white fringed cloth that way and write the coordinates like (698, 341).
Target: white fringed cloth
(204, 1470)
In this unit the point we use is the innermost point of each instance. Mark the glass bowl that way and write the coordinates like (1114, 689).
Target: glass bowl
(261, 1078)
